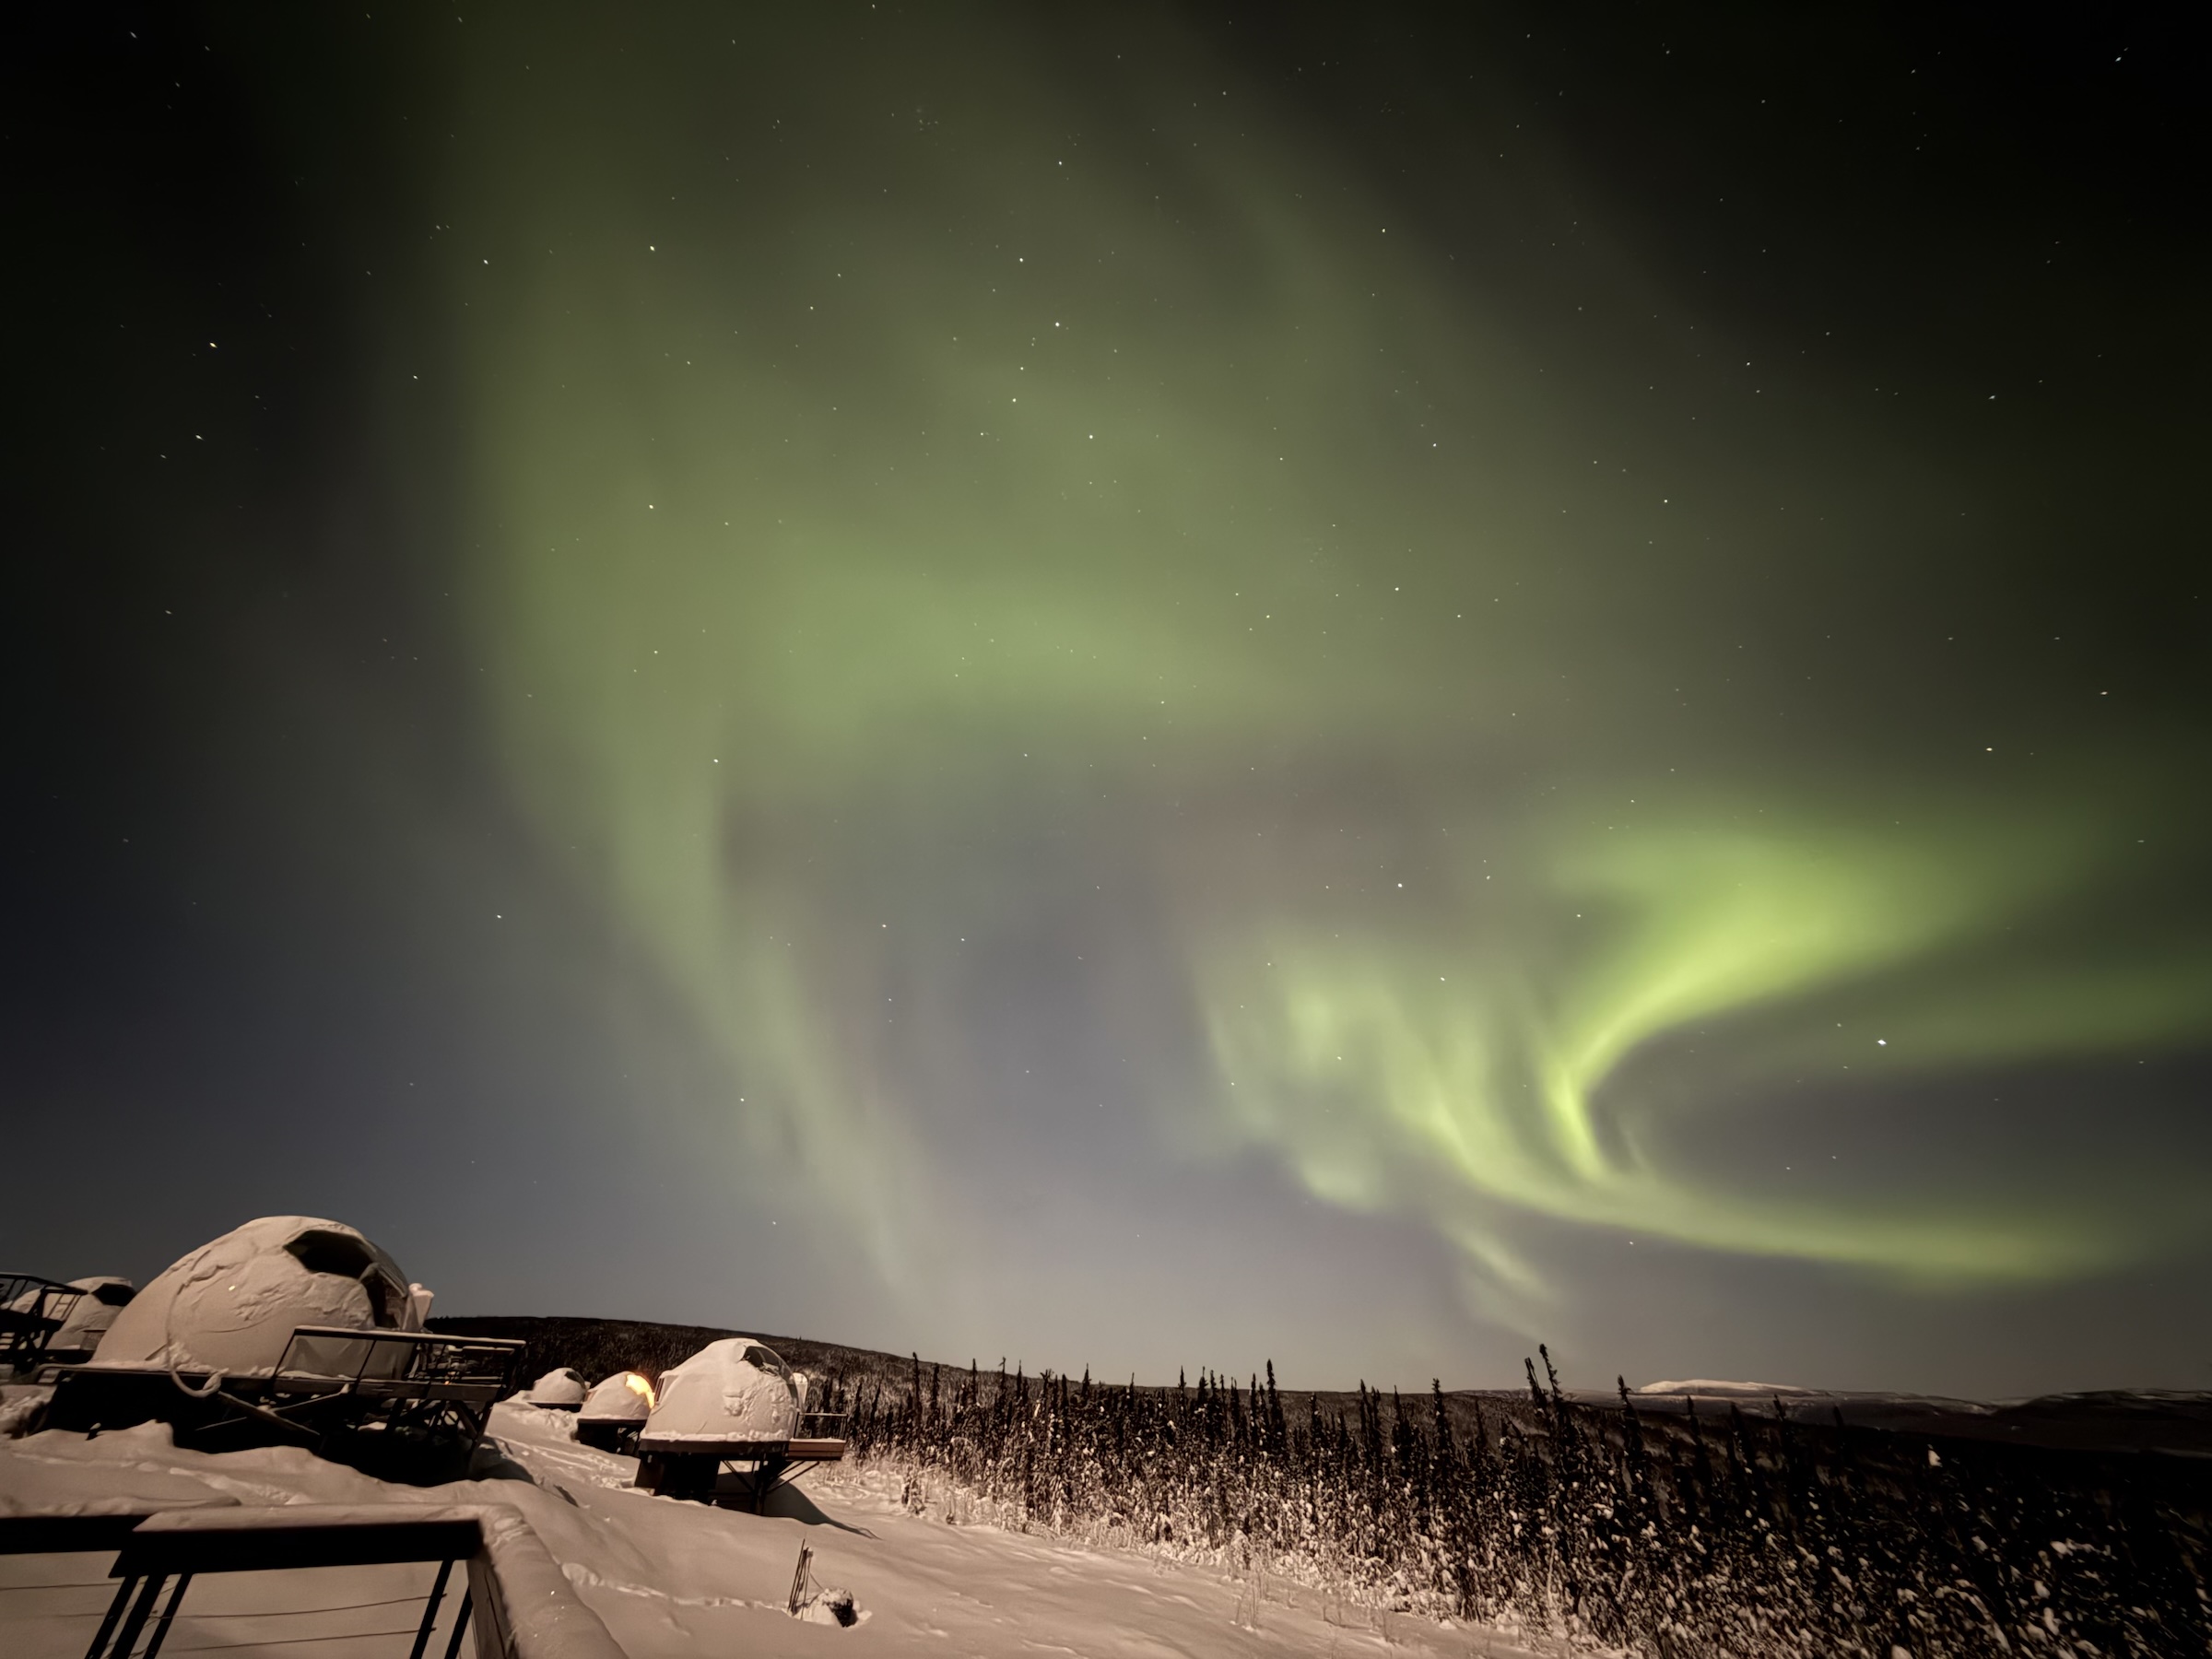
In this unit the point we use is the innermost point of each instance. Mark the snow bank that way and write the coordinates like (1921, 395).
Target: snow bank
(1707, 1385)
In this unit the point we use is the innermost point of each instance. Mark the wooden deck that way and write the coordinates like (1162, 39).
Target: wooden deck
(745, 1450)
(688, 1468)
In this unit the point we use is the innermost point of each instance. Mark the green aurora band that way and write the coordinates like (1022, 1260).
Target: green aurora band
(866, 488)
(1474, 1081)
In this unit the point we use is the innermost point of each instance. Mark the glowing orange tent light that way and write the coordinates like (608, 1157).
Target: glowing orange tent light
(639, 1386)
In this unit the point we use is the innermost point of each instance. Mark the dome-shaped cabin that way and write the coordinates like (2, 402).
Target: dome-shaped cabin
(728, 1427)
(45, 1322)
(625, 1397)
(293, 1330)
(561, 1390)
(614, 1411)
(732, 1390)
(232, 1304)
(91, 1318)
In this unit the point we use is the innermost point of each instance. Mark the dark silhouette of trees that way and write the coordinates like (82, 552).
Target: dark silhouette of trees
(1673, 1535)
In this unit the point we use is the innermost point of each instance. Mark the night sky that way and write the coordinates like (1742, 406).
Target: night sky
(1133, 688)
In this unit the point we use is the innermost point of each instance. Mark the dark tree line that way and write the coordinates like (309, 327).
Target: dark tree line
(1743, 1534)
(599, 1348)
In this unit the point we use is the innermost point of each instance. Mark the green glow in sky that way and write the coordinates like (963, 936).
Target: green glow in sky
(875, 473)
(1459, 1076)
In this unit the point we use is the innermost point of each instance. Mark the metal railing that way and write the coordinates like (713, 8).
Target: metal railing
(32, 1308)
(406, 1406)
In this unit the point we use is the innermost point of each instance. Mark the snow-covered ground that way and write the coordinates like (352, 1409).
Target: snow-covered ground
(670, 1577)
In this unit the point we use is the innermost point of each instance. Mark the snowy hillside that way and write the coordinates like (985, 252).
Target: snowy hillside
(670, 1578)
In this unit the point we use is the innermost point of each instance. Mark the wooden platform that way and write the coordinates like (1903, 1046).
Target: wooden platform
(693, 1469)
(745, 1450)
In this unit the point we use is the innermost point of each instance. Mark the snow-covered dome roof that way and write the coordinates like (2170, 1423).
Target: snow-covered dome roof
(231, 1304)
(625, 1397)
(82, 1329)
(732, 1390)
(562, 1389)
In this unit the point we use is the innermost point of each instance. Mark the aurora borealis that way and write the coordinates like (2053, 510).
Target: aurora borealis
(1339, 690)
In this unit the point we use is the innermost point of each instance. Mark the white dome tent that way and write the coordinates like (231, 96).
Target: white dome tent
(614, 1412)
(231, 1305)
(561, 1390)
(45, 1322)
(293, 1329)
(732, 1390)
(734, 1401)
(88, 1323)
(625, 1397)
